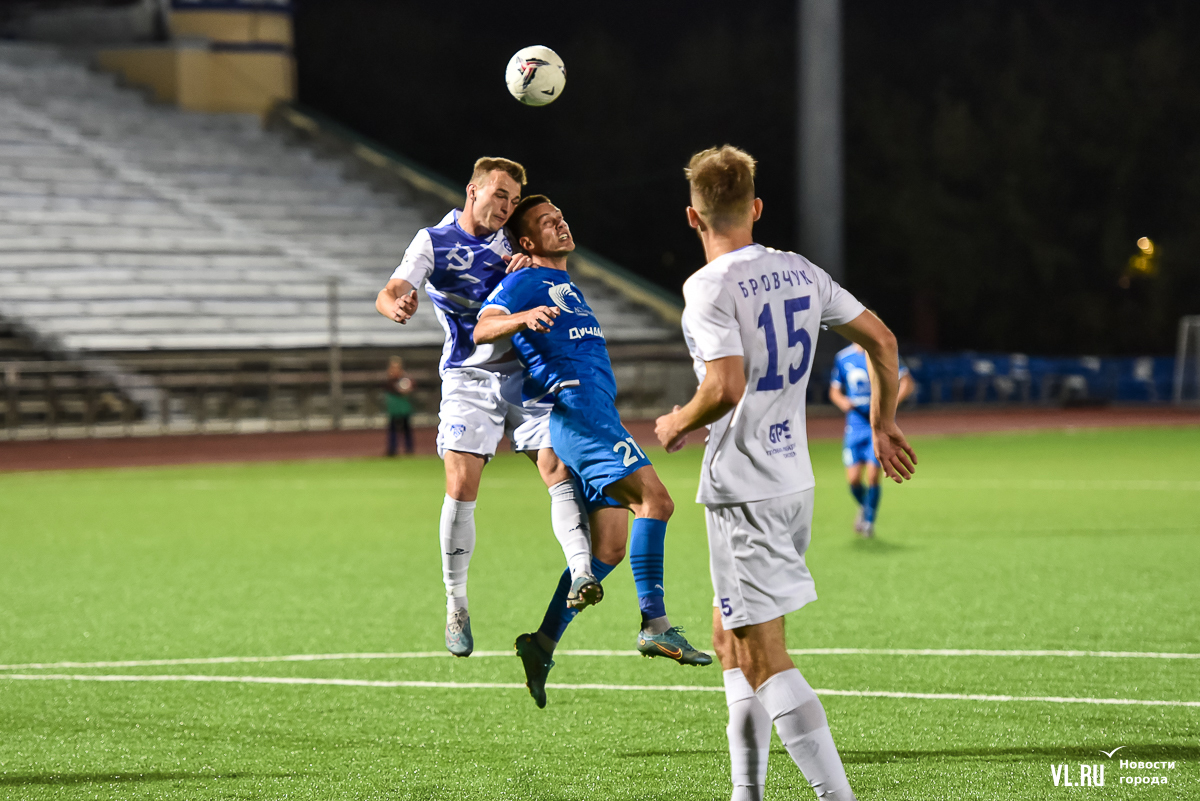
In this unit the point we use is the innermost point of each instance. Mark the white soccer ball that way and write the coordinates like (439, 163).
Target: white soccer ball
(535, 75)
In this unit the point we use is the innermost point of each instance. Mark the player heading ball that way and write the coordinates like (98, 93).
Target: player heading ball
(560, 343)
(751, 321)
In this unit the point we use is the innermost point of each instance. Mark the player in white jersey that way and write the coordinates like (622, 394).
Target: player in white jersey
(751, 321)
(461, 260)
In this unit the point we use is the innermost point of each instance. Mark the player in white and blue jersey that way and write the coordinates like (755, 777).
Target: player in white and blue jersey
(752, 318)
(460, 261)
(567, 370)
(850, 391)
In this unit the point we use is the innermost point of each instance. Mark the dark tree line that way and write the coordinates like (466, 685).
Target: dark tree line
(1003, 158)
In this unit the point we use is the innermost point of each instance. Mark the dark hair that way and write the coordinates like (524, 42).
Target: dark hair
(516, 222)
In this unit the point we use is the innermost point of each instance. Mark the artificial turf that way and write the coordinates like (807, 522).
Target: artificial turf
(1083, 540)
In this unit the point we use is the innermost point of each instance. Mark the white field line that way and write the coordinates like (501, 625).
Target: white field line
(234, 660)
(1161, 485)
(452, 685)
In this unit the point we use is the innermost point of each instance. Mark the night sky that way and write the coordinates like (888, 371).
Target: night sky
(1002, 157)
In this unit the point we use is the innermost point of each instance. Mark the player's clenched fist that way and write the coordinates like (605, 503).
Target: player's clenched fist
(666, 428)
(540, 319)
(404, 307)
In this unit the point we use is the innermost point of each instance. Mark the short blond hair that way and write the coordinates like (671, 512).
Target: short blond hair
(489, 164)
(722, 180)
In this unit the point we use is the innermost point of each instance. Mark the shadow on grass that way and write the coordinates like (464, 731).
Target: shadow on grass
(64, 779)
(1143, 752)
(876, 545)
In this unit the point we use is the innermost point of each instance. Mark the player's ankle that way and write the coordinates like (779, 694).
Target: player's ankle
(548, 645)
(656, 625)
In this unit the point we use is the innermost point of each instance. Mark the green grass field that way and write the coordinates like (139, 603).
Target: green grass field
(1085, 540)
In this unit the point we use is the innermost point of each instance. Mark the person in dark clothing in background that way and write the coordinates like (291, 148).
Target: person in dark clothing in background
(396, 390)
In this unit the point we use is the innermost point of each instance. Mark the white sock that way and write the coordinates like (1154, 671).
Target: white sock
(571, 528)
(801, 723)
(749, 734)
(457, 535)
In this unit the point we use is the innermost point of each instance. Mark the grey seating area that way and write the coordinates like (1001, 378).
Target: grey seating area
(127, 226)
(134, 233)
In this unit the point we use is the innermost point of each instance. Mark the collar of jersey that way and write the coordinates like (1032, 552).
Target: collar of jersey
(739, 250)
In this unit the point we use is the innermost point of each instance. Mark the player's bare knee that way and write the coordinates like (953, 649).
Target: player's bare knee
(658, 503)
(609, 553)
(551, 467)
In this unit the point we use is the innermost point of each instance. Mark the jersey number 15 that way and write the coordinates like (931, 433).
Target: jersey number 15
(773, 380)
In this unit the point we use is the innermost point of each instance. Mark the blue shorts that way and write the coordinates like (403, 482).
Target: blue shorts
(587, 435)
(858, 447)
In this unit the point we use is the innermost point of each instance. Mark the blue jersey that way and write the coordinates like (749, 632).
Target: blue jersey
(573, 352)
(851, 377)
(461, 271)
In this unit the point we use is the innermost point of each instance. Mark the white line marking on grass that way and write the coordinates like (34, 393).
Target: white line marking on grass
(453, 685)
(234, 660)
(1058, 484)
(984, 652)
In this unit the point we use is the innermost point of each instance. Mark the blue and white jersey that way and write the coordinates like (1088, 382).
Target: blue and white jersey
(573, 352)
(461, 271)
(851, 377)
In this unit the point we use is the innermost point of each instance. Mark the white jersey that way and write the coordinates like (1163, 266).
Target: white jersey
(766, 306)
(461, 271)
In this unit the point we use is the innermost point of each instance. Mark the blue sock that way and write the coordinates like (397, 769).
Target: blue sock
(871, 505)
(646, 546)
(558, 614)
(859, 492)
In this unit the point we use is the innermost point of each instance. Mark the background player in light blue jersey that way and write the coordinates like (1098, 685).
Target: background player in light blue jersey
(567, 369)
(850, 391)
(461, 260)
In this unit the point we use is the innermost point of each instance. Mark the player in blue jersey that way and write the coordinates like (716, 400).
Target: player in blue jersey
(567, 369)
(850, 391)
(461, 260)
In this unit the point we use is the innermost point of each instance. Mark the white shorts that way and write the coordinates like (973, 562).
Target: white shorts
(479, 407)
(756, 554)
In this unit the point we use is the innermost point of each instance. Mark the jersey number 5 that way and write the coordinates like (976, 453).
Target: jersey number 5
(773, 380)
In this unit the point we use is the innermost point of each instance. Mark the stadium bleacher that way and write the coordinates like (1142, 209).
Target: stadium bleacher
(128, 226)
(130, 229)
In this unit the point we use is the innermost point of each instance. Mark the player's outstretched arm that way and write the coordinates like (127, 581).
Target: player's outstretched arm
(495, 323)
(722, 388)
(397, 301)
(883, 365)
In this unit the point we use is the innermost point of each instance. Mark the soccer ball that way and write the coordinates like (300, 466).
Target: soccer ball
(535, 75)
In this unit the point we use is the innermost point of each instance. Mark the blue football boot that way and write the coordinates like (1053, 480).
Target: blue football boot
(672, 645)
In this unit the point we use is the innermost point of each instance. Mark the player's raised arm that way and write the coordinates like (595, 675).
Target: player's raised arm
(883, 365)
(496, 323)
(397, 301)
